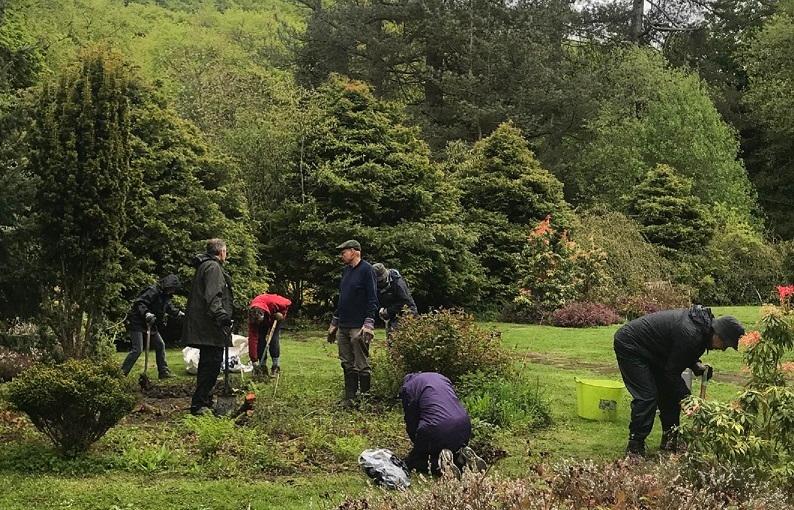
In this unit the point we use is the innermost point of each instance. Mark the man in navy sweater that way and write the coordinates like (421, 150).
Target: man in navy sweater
(353, 325)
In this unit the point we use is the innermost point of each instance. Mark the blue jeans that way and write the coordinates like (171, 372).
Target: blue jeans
(137, 339)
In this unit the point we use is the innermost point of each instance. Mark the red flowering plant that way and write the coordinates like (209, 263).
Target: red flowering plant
(753, 435)
(785, 292)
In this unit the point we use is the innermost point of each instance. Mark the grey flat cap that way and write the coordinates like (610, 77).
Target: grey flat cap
(352, 243)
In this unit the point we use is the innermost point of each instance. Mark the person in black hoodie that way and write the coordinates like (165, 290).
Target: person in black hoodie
(393, 296)
(652, 352)
(149, 307)
(209, 320)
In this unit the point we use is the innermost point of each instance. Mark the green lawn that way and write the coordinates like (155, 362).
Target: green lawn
(302, 451)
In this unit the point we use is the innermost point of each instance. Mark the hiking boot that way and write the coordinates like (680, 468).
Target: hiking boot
(446, 464)
(636, 447)
(471, 460)
(165, 374)
(275, 370)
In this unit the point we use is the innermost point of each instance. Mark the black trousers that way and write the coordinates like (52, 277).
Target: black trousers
(209, 367)
(649, 390)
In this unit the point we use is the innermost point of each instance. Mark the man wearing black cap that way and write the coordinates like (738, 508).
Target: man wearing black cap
(653, 350)
(353, 325)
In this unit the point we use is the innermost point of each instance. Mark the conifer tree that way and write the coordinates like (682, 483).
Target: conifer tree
(505, 192)
(368, 176)
(671, 216)
(81, 141)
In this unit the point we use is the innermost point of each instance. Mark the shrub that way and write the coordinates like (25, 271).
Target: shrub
(584, 315)
(75, 403)
(13, 363)
(655, 297)
(631, 261)
(507, 402)
(751, 438)
(554, 271)
(729, 273)
(446, 341)
(623, 484)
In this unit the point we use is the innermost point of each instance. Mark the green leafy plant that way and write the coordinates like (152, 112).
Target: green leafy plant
(75, 403)
(752, 436)
(210, 433)
(509, 401)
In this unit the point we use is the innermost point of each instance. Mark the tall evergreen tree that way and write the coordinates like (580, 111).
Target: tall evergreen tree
(505, 192)
(671, 216)
(367, 176)
(81, 141)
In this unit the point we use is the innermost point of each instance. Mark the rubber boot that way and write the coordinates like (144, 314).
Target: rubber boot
(636, 447)
(351, 385)
(364, 382)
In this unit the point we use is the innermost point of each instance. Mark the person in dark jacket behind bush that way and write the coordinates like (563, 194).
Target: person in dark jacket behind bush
(353, 324)
(209, 320)
(393, 296)
(437, 424)
(652, 352)
(149, 307)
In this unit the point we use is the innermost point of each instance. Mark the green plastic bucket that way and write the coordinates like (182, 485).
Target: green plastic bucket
(597, 399)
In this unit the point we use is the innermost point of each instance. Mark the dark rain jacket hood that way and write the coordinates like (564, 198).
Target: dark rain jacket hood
(154, 300)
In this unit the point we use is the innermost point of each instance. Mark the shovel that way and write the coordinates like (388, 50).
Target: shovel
(143, 380)
(269, 338)
(226, 401)
(704, 381)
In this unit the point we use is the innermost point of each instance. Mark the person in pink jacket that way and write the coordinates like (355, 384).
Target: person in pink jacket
(264, 310)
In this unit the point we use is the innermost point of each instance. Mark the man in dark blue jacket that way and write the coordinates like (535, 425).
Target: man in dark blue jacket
(393, 296)
(437, 424)
(353, 325)
(653, 351)
(152, 304)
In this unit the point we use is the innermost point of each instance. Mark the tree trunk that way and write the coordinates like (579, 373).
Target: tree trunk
(637, 14)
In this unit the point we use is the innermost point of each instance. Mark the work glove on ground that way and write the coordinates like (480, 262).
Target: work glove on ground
(331, 334)
(384, 314)
(367, 333)
(150, 318)
(702, 368)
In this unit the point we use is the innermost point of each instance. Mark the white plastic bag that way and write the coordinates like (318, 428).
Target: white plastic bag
(385, 468)
(238, 349)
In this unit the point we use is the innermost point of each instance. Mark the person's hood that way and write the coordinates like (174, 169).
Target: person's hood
(703, 318)
(201, 258)
(169, 282)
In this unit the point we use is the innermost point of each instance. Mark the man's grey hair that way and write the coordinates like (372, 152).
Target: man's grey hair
(215, 247)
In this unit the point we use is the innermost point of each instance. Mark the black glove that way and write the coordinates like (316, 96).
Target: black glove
(702, 368)
(225, 321)
(150, 318)
(331, 334)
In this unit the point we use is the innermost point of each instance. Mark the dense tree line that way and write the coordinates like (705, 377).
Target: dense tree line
(441, 134)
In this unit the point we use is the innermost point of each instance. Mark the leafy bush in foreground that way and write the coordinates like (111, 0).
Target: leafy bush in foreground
(623, 484)
(509, 401)
(75, 403)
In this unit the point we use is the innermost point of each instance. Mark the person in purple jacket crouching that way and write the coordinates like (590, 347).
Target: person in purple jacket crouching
(438, 425)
